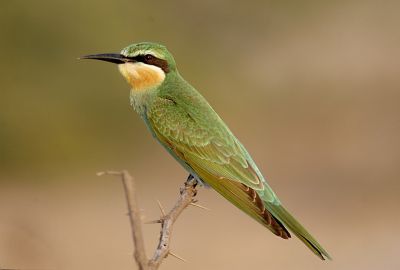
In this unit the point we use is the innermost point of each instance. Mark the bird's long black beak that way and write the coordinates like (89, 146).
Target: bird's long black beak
(115, 58)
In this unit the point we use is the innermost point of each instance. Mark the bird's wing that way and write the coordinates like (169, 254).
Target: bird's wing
(196, 136)
(199, 138)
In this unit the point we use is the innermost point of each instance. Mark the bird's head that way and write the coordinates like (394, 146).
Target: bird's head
(144, 65)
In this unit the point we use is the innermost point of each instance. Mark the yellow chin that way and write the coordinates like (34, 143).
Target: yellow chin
(140, 76)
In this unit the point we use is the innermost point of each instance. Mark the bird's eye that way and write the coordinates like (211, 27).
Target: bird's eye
(148, 57)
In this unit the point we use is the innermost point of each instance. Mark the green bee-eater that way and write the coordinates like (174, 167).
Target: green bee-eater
(192, 132)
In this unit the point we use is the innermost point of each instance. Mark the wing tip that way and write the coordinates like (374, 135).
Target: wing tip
(317, 249)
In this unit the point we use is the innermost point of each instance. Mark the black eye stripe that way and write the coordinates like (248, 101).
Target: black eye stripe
(151, 60)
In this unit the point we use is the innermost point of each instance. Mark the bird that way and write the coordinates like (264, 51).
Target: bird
(186, 125)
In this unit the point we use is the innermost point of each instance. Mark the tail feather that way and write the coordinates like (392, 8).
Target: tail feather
(280, 213)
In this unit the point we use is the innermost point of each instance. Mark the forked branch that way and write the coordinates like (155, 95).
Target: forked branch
(167, 220)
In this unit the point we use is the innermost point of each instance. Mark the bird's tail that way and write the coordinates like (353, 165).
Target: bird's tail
(294, 226)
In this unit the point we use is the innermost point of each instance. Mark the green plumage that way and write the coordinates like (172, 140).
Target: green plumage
(193, 133)
(187, 126)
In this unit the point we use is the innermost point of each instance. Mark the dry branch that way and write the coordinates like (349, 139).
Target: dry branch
(167, 220)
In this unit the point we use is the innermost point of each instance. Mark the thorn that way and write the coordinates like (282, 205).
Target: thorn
(154, 221)
(176, 256)
(117, 173)
(161, 208)
(200, 206)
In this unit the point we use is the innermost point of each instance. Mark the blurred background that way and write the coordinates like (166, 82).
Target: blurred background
(310, 87)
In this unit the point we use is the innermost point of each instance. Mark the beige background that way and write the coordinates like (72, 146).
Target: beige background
(310, 87)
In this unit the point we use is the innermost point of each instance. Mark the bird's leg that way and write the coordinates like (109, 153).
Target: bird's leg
(191, 182)
(191, 178)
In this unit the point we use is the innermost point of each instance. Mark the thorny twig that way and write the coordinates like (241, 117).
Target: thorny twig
(167, 220)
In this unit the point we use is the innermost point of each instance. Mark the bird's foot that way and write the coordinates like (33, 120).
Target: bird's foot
(191, 182)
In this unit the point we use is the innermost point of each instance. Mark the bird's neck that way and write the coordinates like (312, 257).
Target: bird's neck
(172, 83)
(140, 101)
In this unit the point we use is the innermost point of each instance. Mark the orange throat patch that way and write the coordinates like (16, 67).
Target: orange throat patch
(140, 76)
